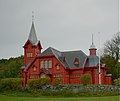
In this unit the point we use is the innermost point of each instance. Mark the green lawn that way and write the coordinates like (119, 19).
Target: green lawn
(108, 98)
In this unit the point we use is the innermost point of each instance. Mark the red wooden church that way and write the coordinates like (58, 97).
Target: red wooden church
(52, 63)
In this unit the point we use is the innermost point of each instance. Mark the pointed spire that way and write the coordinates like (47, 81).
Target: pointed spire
(92, 46)
(92, 39)
(32, 16)
(32, 35)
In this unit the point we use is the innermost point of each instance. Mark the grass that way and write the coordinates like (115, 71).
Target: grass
(11, 98)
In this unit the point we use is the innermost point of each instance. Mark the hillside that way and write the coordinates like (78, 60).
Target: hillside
(10, 68)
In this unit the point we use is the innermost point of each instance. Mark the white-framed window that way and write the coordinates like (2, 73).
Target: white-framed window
(46, 64)
(42, 64)
(34, 68)
(50, 64)
(29, 54)
(43, 75)
(57, 67)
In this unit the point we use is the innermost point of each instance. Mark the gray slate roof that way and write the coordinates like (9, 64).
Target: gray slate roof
(26, 67)
(69, 57)
(92, 60)
(32, 35)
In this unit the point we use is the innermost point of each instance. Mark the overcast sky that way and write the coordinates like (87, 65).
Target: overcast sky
(62, 24)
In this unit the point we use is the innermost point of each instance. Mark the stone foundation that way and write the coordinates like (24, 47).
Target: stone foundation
(106, 88)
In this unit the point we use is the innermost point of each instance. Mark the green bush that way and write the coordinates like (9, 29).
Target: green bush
(68, 93)
(10, 83)
(85, 79)
(58, 81)
(44, 81)
(34, 83)
(117, 82)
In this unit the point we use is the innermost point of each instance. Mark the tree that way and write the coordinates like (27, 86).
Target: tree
(111, 56)
(112, 47)
(10, 68)
(85, 79)
(112, 65)
(117, 82)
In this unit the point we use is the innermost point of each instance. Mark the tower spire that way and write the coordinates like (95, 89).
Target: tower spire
(92, 39)
(92, 48)
(32, 16)
(32, 35)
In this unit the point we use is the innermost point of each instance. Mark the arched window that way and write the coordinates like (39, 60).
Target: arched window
(34, 68)
(42, 64)
(46, 64)
(50, 64)
(57, 67)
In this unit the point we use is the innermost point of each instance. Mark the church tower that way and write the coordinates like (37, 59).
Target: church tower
(32, 46)
(92, 48)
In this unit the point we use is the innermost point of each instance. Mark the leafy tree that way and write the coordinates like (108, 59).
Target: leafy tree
(85, 79)
(112, 47)
(117, 82)
(112, 65)
(10, 68)
(111, 56)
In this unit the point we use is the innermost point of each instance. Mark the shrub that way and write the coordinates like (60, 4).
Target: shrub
(85, 79)
(44, 81)
(11, 83)
(117, 82)
(34, 83)
(58, 81)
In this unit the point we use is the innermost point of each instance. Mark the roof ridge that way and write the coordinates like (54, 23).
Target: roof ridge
(53, 51)
(71, 51)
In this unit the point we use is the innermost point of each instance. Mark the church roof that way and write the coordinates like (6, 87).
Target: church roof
(51, 51)
(67, 58)
(32, 35)
(92, 60)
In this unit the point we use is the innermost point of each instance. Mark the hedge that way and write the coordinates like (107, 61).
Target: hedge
(34, 83)
(10, 83)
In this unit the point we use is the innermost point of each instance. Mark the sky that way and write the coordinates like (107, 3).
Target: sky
(66, 25)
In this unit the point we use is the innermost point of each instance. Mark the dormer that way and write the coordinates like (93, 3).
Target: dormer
(76, 62)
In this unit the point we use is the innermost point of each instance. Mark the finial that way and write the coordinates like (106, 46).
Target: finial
(92, 39)
(92, 46)
(32, 16)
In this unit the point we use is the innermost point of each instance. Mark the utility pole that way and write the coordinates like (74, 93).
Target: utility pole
(99, 62)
